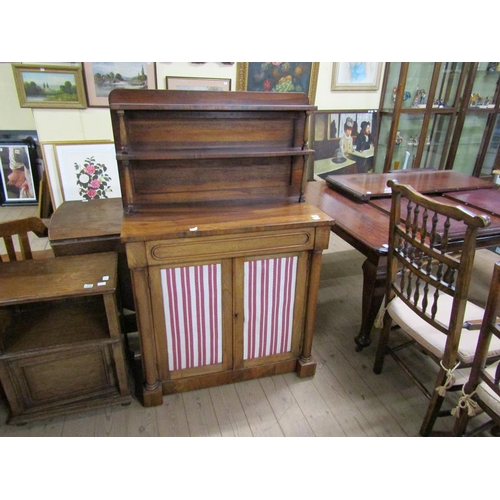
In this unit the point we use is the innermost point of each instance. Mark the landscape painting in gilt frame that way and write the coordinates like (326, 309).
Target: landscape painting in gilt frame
(278, 77)
(102, 77)
(83, 171)
(54, 86)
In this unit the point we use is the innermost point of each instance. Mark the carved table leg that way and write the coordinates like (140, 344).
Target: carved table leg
(374, 274)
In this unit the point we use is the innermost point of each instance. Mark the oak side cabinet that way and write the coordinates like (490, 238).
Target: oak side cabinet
(60, 339)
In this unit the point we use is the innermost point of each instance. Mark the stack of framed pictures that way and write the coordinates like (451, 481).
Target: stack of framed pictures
(81, 170)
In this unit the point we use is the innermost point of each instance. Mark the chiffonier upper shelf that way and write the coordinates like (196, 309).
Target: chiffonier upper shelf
(188, 147)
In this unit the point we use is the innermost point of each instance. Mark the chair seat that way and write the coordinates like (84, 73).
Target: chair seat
(486, 394)
(431, 338)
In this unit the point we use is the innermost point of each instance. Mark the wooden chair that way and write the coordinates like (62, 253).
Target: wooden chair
(482, 391)
(11, 231)
(426, 292)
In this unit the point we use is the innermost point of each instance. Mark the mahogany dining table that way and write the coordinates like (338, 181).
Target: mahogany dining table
(360, 205)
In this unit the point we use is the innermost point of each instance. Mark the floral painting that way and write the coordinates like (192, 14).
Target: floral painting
(93, 180)
(83, 171)
(278, 77)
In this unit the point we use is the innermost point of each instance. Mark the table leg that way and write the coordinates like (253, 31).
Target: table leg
(374, 273)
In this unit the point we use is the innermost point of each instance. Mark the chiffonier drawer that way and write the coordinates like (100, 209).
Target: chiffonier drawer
(229, 245)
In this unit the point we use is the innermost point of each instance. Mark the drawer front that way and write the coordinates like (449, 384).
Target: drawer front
(228, 246)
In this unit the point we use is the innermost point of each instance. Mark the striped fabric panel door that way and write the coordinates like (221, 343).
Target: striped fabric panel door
(269, 296)
(192, 300)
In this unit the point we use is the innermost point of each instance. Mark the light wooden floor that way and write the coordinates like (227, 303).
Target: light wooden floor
(344, 398)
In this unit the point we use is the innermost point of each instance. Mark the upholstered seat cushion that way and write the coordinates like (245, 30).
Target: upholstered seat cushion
(431, 338)
(486, 394)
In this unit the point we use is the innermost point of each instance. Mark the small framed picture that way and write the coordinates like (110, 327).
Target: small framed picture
(18, 174)
(83, 171)
(49, 86)
(356, 76)
(103, 77)
(195, 83)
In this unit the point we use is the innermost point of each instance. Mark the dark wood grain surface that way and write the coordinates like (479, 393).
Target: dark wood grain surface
(36, 280)
(366, 187)
(93, 219)
(485, 201)
(360, 224)
(192, 222)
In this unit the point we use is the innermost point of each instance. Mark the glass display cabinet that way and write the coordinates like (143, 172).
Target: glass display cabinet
(419, 105)
(474, 148)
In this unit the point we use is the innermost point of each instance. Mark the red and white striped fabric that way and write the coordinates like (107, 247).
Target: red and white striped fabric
(269, 298)
(192, 299)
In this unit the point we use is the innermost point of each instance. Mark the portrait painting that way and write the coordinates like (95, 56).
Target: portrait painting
(344, 142)
(18, 181)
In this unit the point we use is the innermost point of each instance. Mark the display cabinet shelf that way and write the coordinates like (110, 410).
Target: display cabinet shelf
(441, 116)
(419, 105)
(475, 145)
(193, 154)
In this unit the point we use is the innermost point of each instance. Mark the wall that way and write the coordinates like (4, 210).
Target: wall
(95, 124)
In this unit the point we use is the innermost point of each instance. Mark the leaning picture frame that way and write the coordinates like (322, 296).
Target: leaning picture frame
(84, 170)
(278, 77)
(197, 83)
(18, 174)
(331, 132)
(356, 76)
(102, 77)
(49, 86)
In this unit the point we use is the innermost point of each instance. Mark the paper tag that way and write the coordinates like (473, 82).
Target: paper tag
(88, 285)
(315, 217)
(105, 278)
(193, 228)
(101, 283)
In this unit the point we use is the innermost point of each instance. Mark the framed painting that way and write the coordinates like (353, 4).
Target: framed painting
(102, 77)
(83, 171)
(343, 142)
(278, 77)
(195, 83)
(19, 177)
(49, 86)
(356, 75)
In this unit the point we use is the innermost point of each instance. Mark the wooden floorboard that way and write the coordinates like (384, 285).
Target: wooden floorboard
(344, 398)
